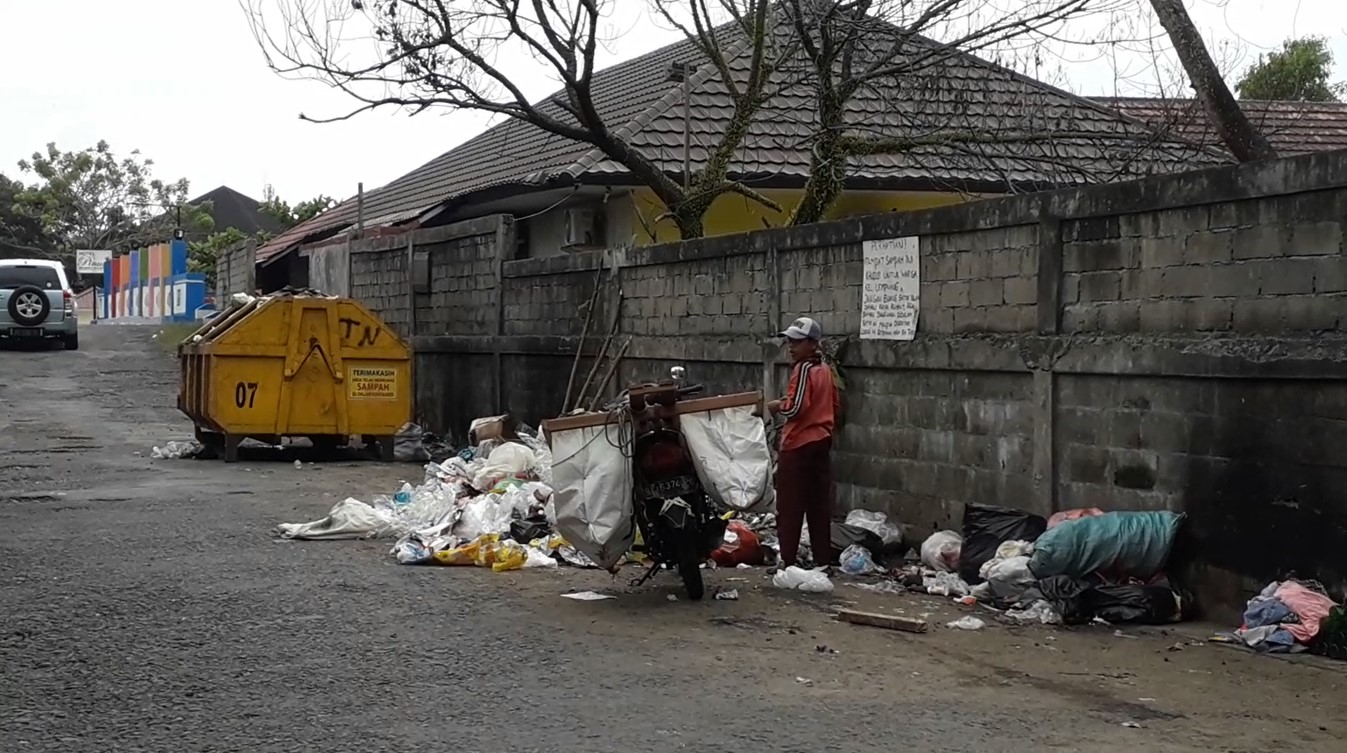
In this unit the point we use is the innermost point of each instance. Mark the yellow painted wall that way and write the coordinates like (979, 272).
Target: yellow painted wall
(733, 213)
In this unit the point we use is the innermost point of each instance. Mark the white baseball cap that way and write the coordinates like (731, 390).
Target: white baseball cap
(803, 328)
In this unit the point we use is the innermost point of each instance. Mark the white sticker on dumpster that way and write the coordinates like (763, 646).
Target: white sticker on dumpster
(369, 383)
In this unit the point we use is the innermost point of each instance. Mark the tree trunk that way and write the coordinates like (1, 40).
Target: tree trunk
(1240, 137)
(827, 168)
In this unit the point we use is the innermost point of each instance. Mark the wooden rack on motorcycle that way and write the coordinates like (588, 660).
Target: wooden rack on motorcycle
(679, 523)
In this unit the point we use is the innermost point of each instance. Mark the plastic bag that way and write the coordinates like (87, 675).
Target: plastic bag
(1008, 577)
(1061, 517)
(348, 519)
(411, 550)
(176, 450)
(408, 446)
(844, 536)
(1135, 544)
(856, 560)
(1038, 611)
(968, 622)
(940, 551)
(487, 514)
(985, 527)
(798, 579)
(592, 502)
(888, 532)
(741, 546)
(730, 452)
(509, 460)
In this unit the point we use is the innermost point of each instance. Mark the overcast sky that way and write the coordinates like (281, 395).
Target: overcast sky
(186, 84)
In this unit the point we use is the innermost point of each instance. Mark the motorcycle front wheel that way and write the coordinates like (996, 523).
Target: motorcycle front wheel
(690, 569)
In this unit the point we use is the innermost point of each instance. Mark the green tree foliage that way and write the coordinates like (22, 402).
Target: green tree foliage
(202, 255)
(1298, 72)
(289, 216)
(21, 232)
(93, 199)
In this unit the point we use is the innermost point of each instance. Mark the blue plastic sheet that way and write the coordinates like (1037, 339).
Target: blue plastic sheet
(1135, 544)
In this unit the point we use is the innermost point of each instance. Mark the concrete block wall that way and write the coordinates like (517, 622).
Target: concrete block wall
(1260, 265)
(1125, 346)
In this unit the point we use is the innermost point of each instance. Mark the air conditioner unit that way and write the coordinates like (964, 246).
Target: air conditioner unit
(579, 227)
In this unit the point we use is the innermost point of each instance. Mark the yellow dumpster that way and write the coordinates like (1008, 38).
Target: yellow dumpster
(295, 366)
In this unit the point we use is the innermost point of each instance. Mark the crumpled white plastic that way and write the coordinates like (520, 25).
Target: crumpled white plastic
(798, 579)
(877, 523)
(940, 551)
(507, 460)
(348, 519)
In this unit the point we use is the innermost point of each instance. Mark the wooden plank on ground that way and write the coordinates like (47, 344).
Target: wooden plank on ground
(887, 621)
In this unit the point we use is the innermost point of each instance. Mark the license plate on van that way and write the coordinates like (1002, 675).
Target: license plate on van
(25, 332)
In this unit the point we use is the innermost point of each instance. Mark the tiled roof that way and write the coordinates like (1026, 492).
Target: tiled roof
(1291, 127)
(966, 95)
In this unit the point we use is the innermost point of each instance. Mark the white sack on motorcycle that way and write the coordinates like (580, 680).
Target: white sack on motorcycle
(729, 448)
(593, 486)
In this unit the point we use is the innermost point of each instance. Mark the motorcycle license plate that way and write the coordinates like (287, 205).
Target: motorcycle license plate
(677, 486)
(25, 332)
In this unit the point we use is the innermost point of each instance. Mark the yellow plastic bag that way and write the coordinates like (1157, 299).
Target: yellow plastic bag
(480, 552)
(509, 555)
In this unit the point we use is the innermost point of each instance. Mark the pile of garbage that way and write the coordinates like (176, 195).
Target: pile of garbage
(1293, 616)
(488, 506)
(1076, 567)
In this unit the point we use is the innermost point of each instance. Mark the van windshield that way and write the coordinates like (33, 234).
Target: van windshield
(18, 276)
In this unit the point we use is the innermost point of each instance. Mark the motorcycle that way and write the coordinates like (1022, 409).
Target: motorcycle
(678, 523)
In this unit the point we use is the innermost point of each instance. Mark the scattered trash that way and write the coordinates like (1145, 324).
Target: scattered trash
(298, 464)
(1132, 725)
(798, 579)
(887, 621)
(882, 587)
(940, 551)
(985, 528)
(1038, 611)
(1287, 616)
(804, 680)
(968, 622)
(671, 597)
(409, 445)
(944, 584)
(891, 534)
(176, 450)
(823, 649)
(730, 595)
(857, 560)
(587, 596)
(741, 547)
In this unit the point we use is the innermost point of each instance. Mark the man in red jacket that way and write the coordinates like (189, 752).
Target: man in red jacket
(804, 473)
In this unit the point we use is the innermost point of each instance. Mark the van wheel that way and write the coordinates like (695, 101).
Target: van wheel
(72, 342)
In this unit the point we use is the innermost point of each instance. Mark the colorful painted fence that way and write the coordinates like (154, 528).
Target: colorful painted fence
(152, 284)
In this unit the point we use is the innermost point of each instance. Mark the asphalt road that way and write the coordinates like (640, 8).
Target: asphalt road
(148, 607)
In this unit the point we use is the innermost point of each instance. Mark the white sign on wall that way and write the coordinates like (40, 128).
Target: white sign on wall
(891, 292)
(90, 262)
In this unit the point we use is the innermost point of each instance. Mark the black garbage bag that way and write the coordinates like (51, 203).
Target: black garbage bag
(1148, 605)
(1064, 594)
(844, 535)
(1079, 600)
(986, 527)
(528, 529)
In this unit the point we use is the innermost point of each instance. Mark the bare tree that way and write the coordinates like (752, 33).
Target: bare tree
(910, 54)
(422, 54)
(1244, 141)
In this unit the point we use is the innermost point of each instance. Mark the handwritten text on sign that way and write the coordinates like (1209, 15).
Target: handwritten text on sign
(372, 383)
(891, 294)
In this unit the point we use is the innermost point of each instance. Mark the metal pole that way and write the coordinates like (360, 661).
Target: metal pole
(687, 127)
(360, 209)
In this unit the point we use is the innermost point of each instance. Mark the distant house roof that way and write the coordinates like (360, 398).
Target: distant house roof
(229, 208)
(1291, 127)
(639, 102)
